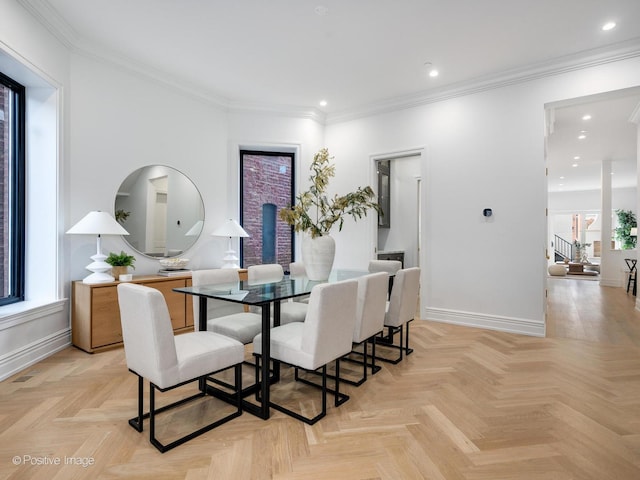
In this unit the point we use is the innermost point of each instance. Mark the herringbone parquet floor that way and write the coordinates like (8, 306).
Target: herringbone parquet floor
(467, 404)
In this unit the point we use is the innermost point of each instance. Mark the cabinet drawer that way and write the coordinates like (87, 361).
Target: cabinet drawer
(95, 313)
(176, 302)
(105, 316)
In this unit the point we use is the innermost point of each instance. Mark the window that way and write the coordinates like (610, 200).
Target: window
(266, 183)
(12, 190)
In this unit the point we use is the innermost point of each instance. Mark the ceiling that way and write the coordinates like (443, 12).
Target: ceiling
(366, 56)
(609, 135)
(358, 55)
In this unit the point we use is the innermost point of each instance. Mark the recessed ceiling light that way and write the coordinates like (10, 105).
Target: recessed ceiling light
(577, 157)
(574, 165)
(561, 178)
(586, 117)
(321, 10)
(609, 26)
(323, 103)
(582, 136)
(430, 69)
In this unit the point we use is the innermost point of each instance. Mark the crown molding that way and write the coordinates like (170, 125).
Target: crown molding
(311, 113)
(55, 23)
(49, 17)
(557, 66)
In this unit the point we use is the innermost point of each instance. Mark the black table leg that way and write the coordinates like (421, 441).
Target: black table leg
(202, 323)
(266, 355)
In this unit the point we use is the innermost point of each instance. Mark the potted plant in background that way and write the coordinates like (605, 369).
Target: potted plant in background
(581, 251)
(626, 221)
(120, 263)
(314, 214)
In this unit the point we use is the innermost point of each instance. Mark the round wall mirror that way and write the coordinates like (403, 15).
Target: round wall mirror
(161, 209)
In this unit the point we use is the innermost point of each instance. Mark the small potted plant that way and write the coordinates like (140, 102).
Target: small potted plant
(120, 263)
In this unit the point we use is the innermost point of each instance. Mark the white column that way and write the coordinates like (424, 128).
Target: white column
(635, 118)
(608, 270)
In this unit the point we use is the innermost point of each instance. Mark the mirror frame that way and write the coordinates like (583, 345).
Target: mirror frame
(178, 203)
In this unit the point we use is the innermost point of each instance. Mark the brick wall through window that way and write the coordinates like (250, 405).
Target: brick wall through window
(267, 179)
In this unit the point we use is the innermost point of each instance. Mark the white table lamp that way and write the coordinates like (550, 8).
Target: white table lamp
(230, 229)
(98, 223)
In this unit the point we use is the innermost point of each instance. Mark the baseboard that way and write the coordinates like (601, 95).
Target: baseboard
(18, 360)
(534, 328)
(611, 282)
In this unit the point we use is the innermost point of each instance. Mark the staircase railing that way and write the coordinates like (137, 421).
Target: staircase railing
(562, 247)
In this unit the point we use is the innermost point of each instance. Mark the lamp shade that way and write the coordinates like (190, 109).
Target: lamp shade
(230, 228)
(195, 230)
(97, 223)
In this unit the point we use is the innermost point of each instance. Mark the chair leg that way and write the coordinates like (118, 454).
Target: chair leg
(137, 422)
(408, 350)
(368, 361)
(402, 346)
(374, 368)
(340, 397)
(298, 416)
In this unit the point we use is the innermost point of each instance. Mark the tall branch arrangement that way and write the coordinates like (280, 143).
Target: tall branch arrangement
(315, 213)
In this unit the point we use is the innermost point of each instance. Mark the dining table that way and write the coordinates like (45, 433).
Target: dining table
(267, 295)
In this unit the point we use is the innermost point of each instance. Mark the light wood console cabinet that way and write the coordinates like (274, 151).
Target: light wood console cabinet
(95, 315)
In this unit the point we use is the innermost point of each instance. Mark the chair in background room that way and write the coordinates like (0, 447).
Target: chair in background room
(633, 274)
(290, 311)
(167, 361)
(325, 336)
(223, 317)
(401, 310)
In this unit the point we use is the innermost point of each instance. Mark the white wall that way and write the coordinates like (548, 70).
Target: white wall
(121, 122)
(33, 329)
(481, 150)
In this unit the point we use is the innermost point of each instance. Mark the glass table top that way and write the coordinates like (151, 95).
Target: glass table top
(267, 290)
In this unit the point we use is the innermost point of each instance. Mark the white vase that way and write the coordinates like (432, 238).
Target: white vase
(317, 255)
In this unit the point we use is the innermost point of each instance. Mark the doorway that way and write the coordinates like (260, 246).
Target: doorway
(591, 158)
(398, 180)
(156, 237)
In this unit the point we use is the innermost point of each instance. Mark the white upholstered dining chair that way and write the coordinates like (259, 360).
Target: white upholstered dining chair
(325, 336)
(389, 266)
(401, 309)
(297, 271)
(224, 317)
(167, 361)
(370, 314)
(290, 311)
